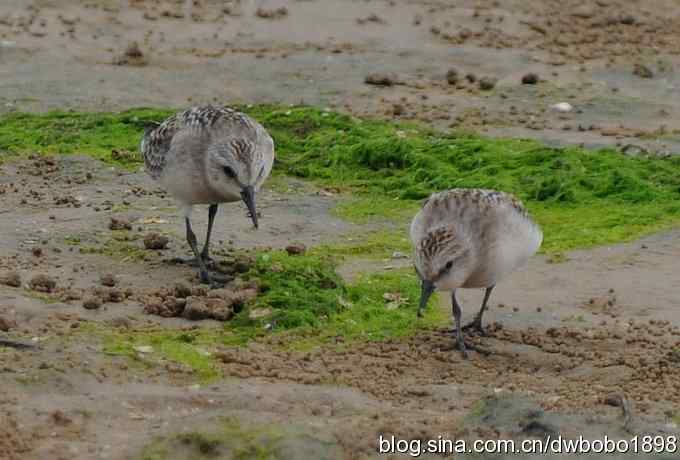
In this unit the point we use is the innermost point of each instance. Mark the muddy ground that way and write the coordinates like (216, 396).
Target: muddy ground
(614, 61)
(570, 338)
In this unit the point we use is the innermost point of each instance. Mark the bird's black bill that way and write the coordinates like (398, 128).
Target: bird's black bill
(248, 196)
(426, 290)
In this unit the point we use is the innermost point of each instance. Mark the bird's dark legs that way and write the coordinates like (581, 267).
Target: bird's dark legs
(476, 323)
(460, 339)
(212, 211)
(205, 253)
(457, 315)
(191, 239)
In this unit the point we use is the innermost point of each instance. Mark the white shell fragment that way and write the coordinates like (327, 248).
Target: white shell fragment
(562, 107)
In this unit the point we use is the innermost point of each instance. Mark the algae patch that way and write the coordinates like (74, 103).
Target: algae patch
(186, 349)
(234, 440)
(380, 244)
(580, 197)
(306, 292)
(303, 301)
(108, 136)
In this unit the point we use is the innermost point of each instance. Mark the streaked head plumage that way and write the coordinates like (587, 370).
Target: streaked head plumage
(239, 162)
(239, 167)
(441, 256)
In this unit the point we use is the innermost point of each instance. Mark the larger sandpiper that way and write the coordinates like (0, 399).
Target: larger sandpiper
(209, 155)
(470, 238)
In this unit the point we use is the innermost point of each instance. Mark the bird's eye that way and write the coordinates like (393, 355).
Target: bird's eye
(229, 172)
(448, 265)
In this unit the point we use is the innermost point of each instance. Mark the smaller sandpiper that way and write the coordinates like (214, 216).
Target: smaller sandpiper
(209, 155)
(470, 238)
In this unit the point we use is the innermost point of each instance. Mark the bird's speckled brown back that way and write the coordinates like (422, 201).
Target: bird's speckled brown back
(485, 232)
(210, 121)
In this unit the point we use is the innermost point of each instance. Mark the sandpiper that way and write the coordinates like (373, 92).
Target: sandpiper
(470, 238)
(209, 155)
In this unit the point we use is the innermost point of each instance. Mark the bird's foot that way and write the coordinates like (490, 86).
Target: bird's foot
(193, 262)
(204, 276)
(481, 351)
(475, 327)
(464, 346)
(218, 281)
(205, 255)
(214, 280)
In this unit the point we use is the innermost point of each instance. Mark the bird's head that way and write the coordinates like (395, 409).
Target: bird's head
(442, 261)
(237, 169)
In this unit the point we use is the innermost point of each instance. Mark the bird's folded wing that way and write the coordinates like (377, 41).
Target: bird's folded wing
(156, 143)
(212, 121)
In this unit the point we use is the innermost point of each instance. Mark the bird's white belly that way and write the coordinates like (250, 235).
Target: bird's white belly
(506, 256)
(191, 189)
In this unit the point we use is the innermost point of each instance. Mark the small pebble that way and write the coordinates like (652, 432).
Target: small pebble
(156, 241)
(487, 83)
(120, 223)
(92, 303)
(108, 280)
(42, 283)
(11, 278)
(380, 79)
(530, 79)
(452, 76)
(296, 249)
(7, 324)
(562, 107)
